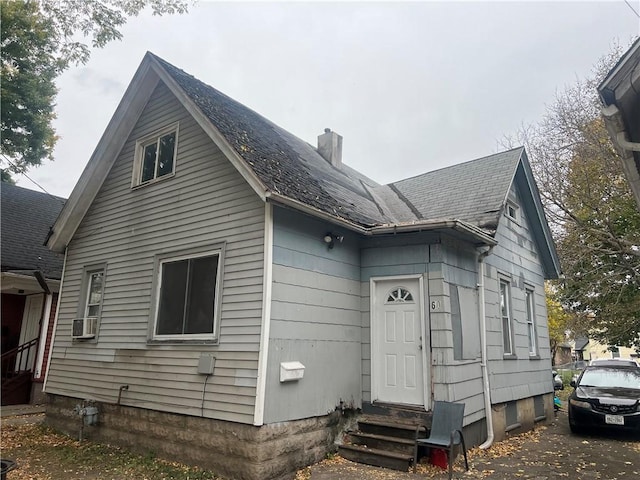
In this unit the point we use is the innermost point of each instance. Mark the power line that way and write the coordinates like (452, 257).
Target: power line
(31, 179)
(632, 9)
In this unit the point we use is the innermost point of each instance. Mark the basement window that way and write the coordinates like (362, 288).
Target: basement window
(155, 156)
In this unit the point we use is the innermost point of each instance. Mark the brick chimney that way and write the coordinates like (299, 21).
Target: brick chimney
(330, 147)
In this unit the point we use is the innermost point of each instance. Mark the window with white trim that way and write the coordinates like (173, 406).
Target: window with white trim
(85, 325)
(155, 156)
(505, 314)
(187, 297)
(95, 290)
(511, 210)
(531, 322)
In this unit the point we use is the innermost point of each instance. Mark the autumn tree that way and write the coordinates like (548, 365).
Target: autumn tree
(558, 322)
(591, 210)
(41, 39)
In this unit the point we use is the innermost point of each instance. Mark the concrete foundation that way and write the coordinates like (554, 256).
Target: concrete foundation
(38, 397)
(232, 450)
(526, 417)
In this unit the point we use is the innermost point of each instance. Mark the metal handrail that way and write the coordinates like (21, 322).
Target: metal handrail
(19, 353)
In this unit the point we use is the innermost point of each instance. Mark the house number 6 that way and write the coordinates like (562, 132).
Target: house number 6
(435, 305)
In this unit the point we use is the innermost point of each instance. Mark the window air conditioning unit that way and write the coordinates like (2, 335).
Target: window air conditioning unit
(84, 327)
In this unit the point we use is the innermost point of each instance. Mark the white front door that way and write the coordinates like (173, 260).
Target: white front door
(397, 350)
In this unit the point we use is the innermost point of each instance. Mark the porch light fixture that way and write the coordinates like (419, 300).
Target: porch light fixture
(331, 238)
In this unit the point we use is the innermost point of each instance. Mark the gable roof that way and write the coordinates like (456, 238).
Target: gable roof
(473, 191)
(27, 216)
(284, 169)
(284, 164)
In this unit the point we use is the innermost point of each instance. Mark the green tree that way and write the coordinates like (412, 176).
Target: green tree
(40, 39)
(591, 210)
(29, 68)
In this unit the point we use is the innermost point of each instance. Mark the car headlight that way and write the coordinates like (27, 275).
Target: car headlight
(580, 404)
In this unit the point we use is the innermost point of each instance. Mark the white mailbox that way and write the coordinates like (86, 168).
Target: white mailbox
(291, 371)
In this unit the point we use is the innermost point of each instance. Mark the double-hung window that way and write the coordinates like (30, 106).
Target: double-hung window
(505, 314)
(531, 323)
(155, 156)
(85, 326)
(95, 283)
(187, 297)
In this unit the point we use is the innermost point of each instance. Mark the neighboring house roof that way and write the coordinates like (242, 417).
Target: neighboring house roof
(581, 343)
(287, 170)
(27, 216)
(620, 95)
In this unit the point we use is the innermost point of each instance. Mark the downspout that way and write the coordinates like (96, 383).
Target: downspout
(483, 340)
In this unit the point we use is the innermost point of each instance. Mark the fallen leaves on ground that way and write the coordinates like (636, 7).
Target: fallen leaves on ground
(43, 454)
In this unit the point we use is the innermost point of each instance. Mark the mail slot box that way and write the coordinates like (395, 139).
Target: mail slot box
(291, 371)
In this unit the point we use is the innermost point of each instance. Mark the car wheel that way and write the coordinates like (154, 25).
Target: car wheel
(575, 428)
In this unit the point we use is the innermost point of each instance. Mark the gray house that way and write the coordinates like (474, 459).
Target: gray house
(231, 293)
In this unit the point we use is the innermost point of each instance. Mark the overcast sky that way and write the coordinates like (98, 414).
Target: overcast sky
(411, 87)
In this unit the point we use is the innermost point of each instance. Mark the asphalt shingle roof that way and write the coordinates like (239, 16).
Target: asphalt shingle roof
(284, 163)
(26, 217)
(472, 192)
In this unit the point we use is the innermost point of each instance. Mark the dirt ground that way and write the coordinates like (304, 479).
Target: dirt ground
(549, 452)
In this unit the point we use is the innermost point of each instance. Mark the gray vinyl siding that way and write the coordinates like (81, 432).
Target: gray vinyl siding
(454, 265)
(443, 262)
(407, 254)
(315, 319)
(205, 205)
(516, 259)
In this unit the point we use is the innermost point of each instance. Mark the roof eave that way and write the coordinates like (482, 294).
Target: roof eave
(616, 127)
(476, 234)
(613, 86)
(103, 157)
(205, 123)
(149, 73)
(540, 229)
(314, 212)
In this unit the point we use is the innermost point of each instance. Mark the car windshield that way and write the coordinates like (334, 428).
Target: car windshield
(611, 377)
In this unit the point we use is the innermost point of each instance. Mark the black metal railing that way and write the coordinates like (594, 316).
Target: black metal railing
(19, 359)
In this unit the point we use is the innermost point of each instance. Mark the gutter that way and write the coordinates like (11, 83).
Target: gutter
(41, 280)
(483, 340)
(457, 225)
(424, 225)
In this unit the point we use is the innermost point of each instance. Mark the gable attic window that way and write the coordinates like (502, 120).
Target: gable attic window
(511, 211)
(155, 156)
(187, 297)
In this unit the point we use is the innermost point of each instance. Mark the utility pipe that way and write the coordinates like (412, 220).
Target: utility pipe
(483, 340)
